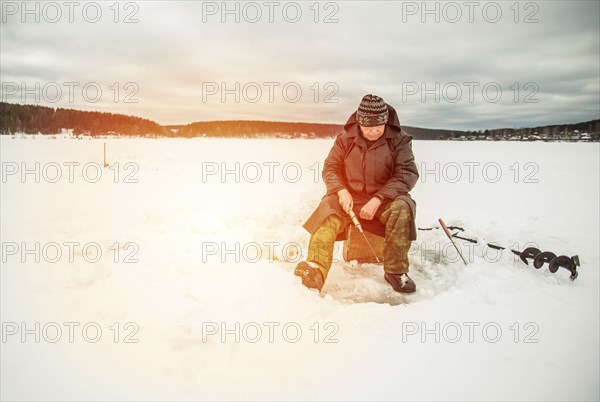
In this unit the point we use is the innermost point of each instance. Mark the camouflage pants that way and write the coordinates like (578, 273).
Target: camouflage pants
(395, 215)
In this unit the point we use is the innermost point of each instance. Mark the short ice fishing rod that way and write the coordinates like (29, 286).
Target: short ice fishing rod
(360, 229)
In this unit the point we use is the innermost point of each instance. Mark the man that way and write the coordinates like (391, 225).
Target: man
(370, 170)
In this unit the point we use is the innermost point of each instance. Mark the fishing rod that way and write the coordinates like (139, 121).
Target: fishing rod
(360, 229)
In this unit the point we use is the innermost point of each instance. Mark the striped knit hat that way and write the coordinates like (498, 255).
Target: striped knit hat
(372, 111)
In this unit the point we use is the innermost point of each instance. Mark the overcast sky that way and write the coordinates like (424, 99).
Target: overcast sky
(539, 62)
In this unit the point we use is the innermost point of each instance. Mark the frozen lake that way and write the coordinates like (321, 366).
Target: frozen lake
(187, 246)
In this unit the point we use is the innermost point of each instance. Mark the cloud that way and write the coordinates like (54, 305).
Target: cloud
(177, 48)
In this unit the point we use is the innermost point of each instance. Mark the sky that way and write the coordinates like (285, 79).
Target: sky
(454, 65)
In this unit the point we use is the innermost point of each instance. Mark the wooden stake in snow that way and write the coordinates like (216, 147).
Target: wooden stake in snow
(105, 164)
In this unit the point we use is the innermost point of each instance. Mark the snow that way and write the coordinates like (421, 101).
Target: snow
(214, 252)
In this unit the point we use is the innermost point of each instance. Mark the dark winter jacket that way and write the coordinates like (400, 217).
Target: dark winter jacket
(386, 169)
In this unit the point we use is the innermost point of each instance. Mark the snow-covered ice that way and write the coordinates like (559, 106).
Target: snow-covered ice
(216, 244)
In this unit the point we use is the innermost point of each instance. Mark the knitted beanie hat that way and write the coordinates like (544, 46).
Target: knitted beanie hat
(372, 111)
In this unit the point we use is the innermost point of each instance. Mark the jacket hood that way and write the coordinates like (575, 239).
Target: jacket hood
(393, 121)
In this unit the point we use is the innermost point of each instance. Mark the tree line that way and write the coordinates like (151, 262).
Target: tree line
(257, 129)
(587, 130)
(33, 119)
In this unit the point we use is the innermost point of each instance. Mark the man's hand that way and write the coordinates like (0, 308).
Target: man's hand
(345, 200)
(367, 212)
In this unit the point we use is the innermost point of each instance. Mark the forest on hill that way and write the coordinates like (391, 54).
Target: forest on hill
(33, 119)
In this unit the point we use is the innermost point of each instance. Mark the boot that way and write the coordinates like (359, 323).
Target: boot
(400, 282)
(311, 275)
